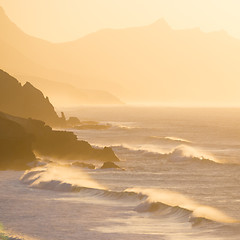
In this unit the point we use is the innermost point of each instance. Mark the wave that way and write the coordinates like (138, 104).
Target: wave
(60, 178)
(177, 139)
(145, 151)
(171, 139)
(189, 154)
(163, 203)
(122, 125)
(171, 204)
(66, 179)
(180, 154)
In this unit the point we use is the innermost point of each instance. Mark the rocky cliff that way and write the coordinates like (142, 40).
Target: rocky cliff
(21, 137)
(25, 101)
(15, 145)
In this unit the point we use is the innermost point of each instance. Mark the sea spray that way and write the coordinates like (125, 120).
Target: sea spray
(181, 153)
(58, 177)
(184, 152)
(55, 177)
(174, 199)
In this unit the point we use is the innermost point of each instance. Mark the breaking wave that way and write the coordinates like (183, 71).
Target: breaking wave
(172, 204)
(59, 178)
(68, 179)
(162, 203)
(124, 125)
(179, 154)
(146, 151)
(186, 153)
(171, 139)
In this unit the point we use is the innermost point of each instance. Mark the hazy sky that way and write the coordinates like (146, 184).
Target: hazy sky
(62, 20)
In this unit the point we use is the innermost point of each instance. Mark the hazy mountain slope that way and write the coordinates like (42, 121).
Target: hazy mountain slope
(63, 94)
(25, 101)
(161, 64)
(22, 54)
(33, 48)
(154, 63)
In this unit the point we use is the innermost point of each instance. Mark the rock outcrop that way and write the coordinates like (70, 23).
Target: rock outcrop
(15, 146)
(73, 121)
(26, 101)
(21, 137)
(110, 165)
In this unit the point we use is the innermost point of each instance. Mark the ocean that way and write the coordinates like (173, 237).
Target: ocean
(180, 180)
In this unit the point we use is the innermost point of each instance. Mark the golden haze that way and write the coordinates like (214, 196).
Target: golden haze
(149, 64)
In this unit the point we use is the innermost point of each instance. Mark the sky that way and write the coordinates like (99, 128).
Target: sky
(66, 20)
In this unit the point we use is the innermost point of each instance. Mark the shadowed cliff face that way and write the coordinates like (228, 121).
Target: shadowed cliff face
(25, 101)
(15, 146)
(63, 144)
(20, 137)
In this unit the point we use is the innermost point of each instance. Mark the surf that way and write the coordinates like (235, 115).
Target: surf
(164, 202)
(173, 203)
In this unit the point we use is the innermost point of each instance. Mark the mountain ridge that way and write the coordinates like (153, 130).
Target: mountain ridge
(20, 57)
(153, 63)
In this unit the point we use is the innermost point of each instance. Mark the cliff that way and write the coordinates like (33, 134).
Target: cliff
(25, 101)
(25, 56)
(15, 145)
(21, 137)
(65, 95)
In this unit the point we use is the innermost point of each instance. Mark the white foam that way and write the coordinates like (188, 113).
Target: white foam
(56, 177)
(175, 199)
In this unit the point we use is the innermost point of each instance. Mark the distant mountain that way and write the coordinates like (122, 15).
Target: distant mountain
(158, 64)
(152, 63)
(24, 55)
(25, 101)
(65, 95)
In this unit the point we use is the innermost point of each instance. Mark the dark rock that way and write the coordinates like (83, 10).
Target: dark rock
(73, 121)
(15, 146)
(45, 142)
(107, 154)
(26, 101)
(110, 165)
(63, 116)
